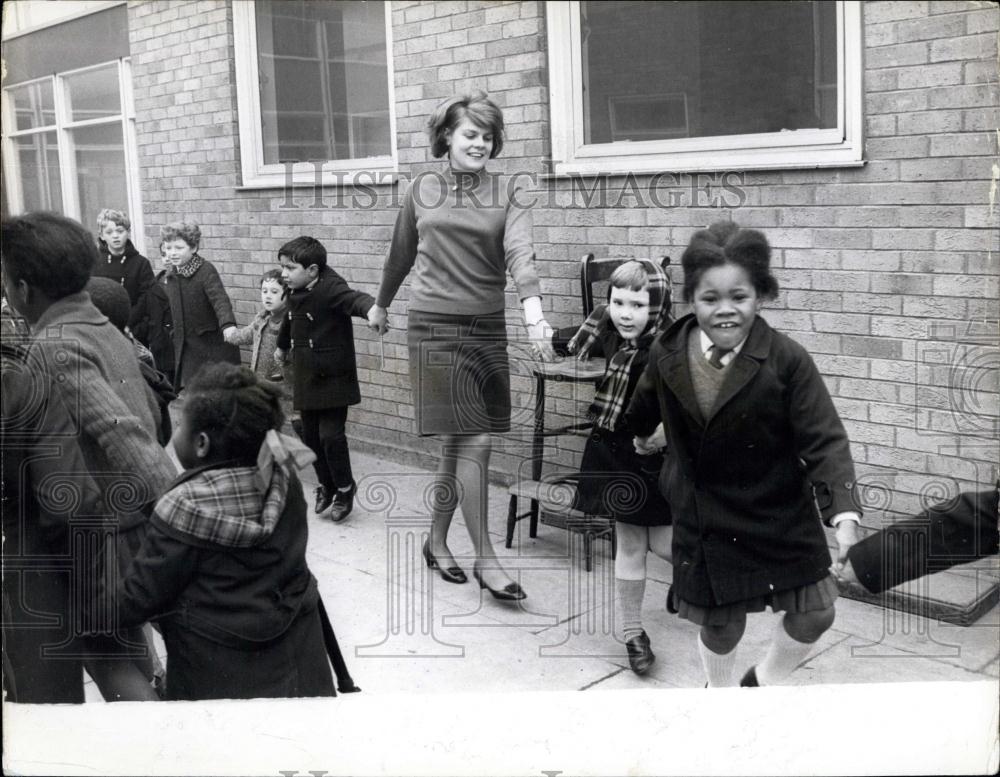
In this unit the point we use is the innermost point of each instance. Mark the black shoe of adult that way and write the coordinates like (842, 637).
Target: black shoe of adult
(449, 575)
(750, 679)
(640, 654)
(511, 592)
(323, 500)
(343, 503)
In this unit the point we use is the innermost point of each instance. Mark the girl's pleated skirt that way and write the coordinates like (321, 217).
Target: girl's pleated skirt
(804, 598)
(460, 373)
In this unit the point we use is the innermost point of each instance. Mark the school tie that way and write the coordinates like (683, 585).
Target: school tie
(715, 354)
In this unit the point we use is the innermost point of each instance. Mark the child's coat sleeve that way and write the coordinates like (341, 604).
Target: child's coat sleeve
(820, 438)
(156, 577)
(344, 299)
(218, 298)
(643, 412)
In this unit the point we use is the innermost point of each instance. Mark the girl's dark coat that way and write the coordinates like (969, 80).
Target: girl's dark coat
(155, 327)
(610, 467)
(245, 599)
(200, 309)
(741, 483)
(318, 329)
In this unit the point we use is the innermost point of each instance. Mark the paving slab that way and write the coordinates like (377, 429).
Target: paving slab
(403, 629)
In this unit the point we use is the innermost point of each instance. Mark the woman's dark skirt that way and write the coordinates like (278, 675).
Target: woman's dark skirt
(459, 372)
(293, 665)
(618, 482)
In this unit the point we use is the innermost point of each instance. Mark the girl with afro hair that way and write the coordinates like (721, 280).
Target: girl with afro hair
(223, 567)
(757, 462)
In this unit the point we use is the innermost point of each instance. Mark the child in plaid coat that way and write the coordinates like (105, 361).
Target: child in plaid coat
(615, 479)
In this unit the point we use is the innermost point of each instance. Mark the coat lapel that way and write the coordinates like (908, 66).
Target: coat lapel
(745, 366)
(674, 370)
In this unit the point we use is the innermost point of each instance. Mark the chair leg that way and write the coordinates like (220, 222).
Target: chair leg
(614, 541)
(511, 520)
(588, 549)
(533, 524)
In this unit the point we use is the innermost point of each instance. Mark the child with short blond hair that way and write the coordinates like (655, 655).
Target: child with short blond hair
(121, 262)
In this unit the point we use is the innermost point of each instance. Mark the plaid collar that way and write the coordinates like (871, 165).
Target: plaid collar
(226, 505)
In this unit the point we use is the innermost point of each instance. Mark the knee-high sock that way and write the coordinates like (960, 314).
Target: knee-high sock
(718, 666)
(782, 657)
(629, 594)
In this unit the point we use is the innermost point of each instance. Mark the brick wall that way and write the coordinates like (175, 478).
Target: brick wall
(889, 272)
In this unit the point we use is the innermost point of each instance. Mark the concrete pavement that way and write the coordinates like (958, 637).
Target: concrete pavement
(403, 629)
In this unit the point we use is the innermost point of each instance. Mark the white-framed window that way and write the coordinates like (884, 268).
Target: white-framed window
(314, 91)
(694, 86)
(69, 145)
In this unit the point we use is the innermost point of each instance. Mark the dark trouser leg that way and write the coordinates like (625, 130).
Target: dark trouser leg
(311, 436)
(333, 440)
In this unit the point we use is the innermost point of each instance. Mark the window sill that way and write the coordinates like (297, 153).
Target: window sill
(297, 180)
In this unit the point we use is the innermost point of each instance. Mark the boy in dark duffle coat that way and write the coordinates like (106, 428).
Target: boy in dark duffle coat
(317, 329)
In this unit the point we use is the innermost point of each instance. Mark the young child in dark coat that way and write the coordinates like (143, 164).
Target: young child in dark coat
(317, 329)
(615, 479)
(121, 262)
(755, 445)
(154, 325)
(200, 310)
(223, 566)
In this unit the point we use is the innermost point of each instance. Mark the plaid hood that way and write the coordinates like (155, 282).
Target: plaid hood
(226, 506)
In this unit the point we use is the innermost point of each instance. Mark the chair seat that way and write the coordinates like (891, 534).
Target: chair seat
(556, 495)
(552, 501)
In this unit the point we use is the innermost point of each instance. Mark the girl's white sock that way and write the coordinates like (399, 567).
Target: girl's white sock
(718, 666)
(783, 656)
(629, 594)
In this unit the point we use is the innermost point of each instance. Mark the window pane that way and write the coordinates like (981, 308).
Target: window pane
(100, 170)
(38, 159)
(33, 105)
(324, 89)
(707, 69)
(94, 94)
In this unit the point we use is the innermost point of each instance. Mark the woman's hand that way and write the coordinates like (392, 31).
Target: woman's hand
(279, 355)
(647, 446)
(378, 319)
(229, 334)
(540, 335)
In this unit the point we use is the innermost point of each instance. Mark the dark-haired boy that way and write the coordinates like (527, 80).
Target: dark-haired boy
(317, 329)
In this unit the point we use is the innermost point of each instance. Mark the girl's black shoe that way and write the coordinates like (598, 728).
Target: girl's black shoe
(750, 679)
(449, 575)
(511, 592)
(640, 653)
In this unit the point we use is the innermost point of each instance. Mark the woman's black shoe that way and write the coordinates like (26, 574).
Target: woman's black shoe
(640, 654)
(511, 592)
(449, 575)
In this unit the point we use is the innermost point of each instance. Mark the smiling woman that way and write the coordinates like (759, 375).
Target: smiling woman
(458, 232)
